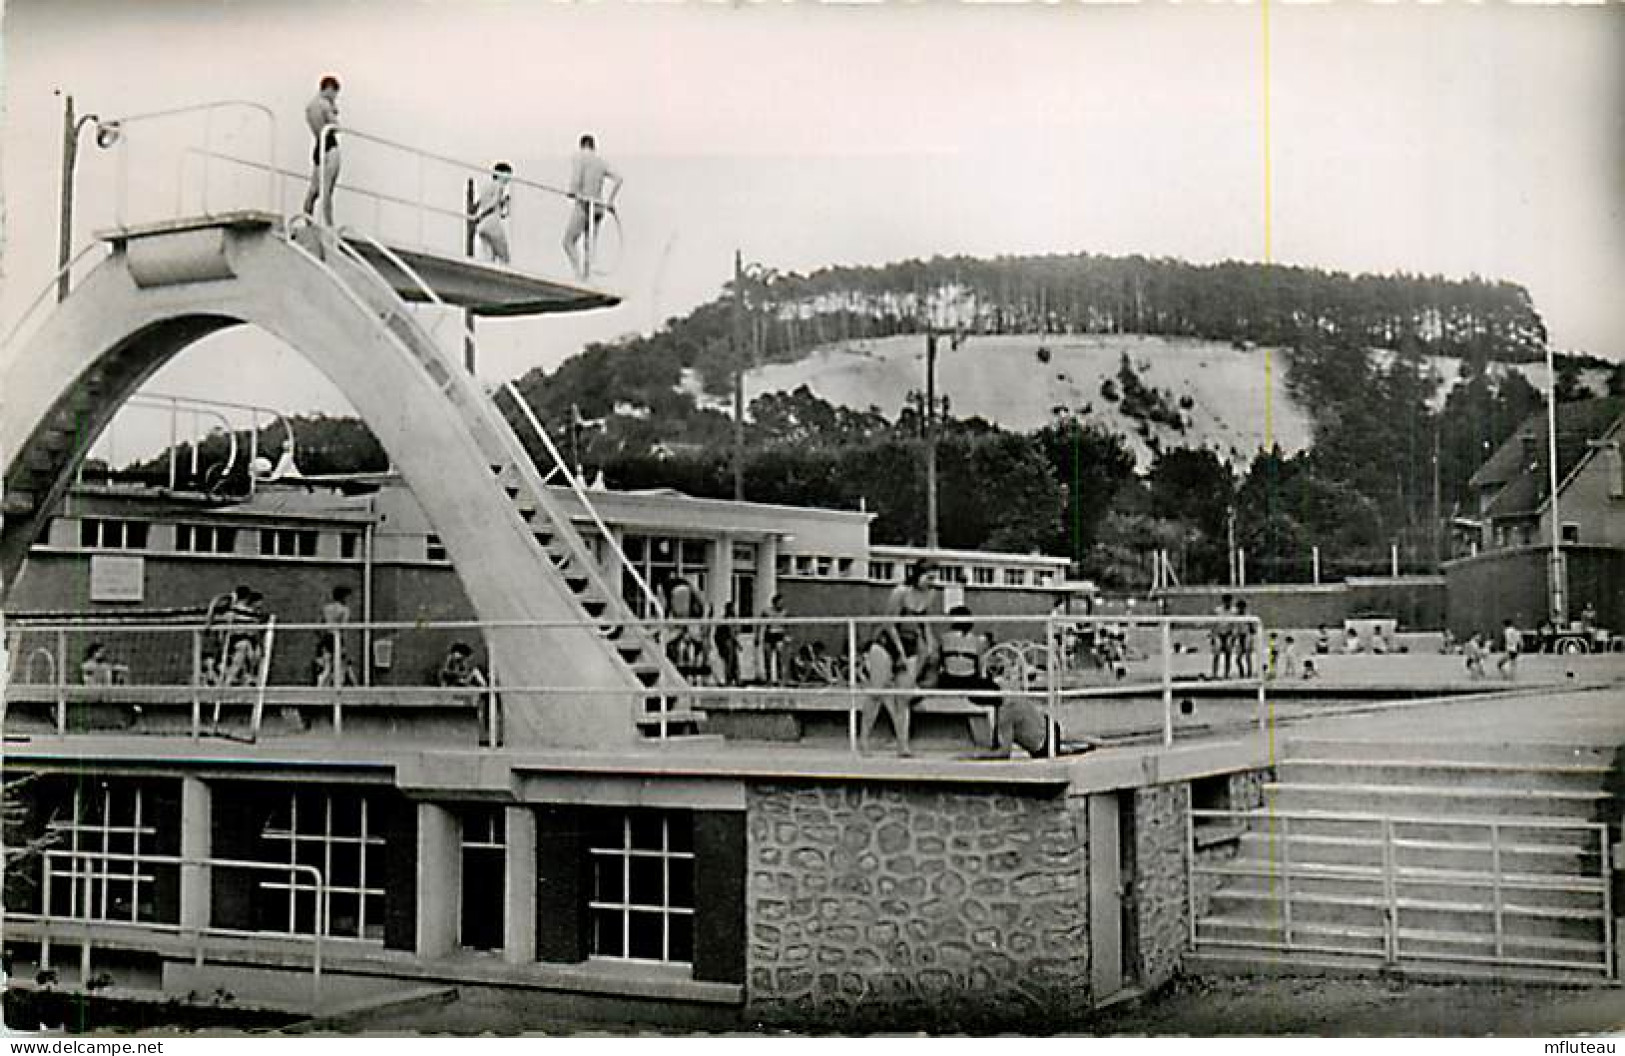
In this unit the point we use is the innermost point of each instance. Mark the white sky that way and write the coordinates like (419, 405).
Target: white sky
(1457, 139)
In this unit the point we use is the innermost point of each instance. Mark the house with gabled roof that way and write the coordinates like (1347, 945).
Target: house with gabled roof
(1501, 573)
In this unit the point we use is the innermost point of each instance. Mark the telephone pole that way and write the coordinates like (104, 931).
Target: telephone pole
(739, 376)
(931, 438)
(468, 247)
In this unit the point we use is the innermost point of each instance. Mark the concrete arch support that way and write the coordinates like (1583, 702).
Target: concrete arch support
(157, 294)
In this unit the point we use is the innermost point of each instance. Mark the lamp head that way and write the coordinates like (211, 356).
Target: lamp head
(108, 133)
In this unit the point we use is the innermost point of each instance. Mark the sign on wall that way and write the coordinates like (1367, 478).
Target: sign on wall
(117, 577)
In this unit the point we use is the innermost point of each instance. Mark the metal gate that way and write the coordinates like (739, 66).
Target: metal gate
(1406, 891)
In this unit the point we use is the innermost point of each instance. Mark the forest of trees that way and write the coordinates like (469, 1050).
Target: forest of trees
(1386, 464)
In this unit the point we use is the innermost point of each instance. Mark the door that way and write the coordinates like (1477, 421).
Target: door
(1105, 896)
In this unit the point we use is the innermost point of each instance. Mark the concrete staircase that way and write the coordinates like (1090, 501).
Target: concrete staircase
(1435, 860)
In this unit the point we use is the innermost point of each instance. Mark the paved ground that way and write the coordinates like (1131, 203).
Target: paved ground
(1353, 1007)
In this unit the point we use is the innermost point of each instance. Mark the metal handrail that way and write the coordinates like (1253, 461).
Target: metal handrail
(480, 404)
(582, 496)
(499, 430)
(1390, 875)
(46, 291)
(332, 129)
(185, 861)
(208, 109)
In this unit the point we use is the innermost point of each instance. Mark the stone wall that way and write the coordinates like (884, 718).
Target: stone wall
(885, 908)
(1161, 926)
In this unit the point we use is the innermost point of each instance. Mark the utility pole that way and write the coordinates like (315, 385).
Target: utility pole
(70, 158)
(1558, 573)
(468, 247)
(931, 438)
(739, 376)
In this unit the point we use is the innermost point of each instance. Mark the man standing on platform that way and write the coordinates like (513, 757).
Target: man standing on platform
(588, 173)
(321, 112)
(491, 213)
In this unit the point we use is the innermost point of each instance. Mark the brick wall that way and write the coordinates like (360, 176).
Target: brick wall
(874, 908)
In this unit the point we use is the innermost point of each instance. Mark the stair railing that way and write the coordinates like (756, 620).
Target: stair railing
(457, 383)
(581, 494)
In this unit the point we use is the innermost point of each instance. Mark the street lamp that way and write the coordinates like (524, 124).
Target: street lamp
(107, 134)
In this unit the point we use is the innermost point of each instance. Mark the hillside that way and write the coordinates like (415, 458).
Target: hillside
(1003, 380)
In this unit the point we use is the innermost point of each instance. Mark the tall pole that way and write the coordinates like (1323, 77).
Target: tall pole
(70, 159)
(739, 376)
(1438, 523)
(931, 438)
(468, 247)
(1557, 572)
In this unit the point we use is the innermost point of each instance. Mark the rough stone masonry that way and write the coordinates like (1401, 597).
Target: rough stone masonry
(886, 908)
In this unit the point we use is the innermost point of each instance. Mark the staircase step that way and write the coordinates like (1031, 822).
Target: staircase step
(1502, 754)
(1240, 959)
(1471, 852)
(1429, 801)
(1417, 773)
(1524, 828)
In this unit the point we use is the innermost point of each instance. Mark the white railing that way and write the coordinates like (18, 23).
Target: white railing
(167, 668)
(161, 141)
(432, 225)
(651, 599)
(1388, 878)
(50, 922)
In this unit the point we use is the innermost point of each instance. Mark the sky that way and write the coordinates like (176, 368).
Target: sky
(1456, 139)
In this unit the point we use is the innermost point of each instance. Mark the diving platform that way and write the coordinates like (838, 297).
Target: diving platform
(482, 288)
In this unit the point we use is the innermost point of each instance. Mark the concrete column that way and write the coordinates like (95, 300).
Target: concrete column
(197, 826)
(519, 917)
(440, 880)
(721, 572)
(611, 565)
(767, 572)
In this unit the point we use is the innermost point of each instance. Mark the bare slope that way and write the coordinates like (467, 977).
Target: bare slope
(1002, 379)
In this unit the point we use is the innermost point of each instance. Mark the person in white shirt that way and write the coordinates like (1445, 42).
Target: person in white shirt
(491, 213)
(320, 112)
(588, 174)
(1512, 642)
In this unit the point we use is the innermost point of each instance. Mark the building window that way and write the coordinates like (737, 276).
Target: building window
(335, 832)
(434, 549)
(823, 566)
(205, 539)
(349, 545)
(1571, 533)
(804, 564)
(95, 861)
(782, 565)
(660, 559)
(882, 571)
(1043, 579)
(288, 542)
(982, 577)
(96, 533)
(642, 895)
(485, 851)
(843, 567)
(1015, 577)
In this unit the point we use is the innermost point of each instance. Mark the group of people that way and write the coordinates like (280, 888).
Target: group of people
(593, 188)
(1475, 648)
(1231, 641)
(724, 652)
(909, 652)
(234, 626)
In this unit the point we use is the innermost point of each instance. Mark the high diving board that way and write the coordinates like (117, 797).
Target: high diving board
(484, 289)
